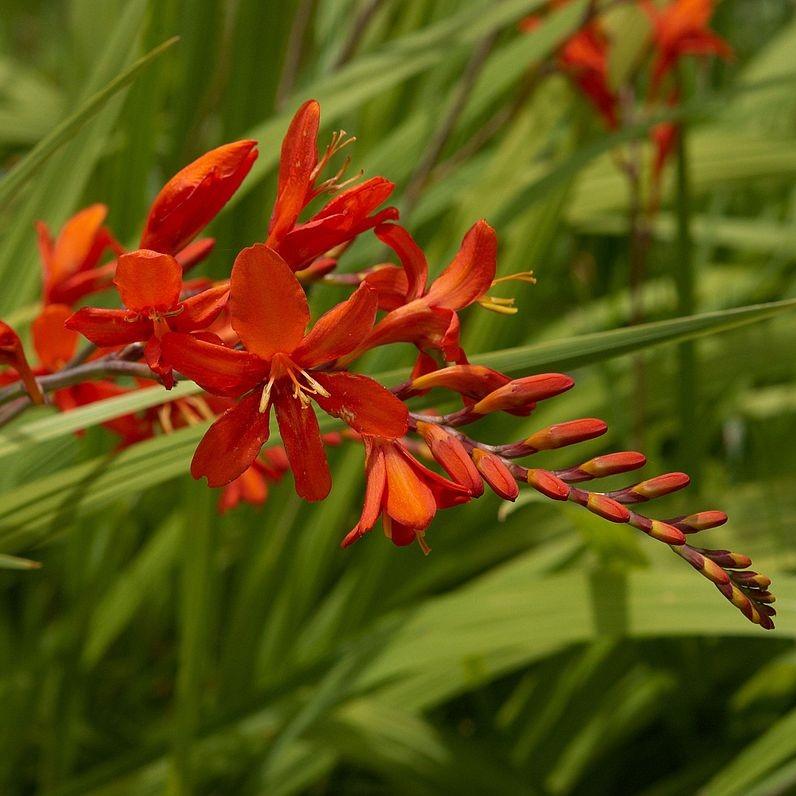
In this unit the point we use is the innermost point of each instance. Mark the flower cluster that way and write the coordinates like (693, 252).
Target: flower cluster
(249, 344)
(677, 29)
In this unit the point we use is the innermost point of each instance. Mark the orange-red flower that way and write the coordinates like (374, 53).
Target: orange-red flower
(347, 215)
(150, 284)
(281, 367)
(192, 198)
(405, 493)
(681, 29)
(69, 262)
(584, 58)
(426, 315)
(252, 485)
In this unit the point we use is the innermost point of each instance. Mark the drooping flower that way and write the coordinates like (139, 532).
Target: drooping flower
(281, 366)
(681, 29)
(69, 262)
(345, 216)
(192, 198)
(150, 285)
(12, 354)
(426, 314)
(403, 492)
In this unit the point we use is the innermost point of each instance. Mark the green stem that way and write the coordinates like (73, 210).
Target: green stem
(688, 392)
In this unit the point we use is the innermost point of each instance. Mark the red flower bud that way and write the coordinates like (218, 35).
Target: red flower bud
(496, 474)
(452, 456)
(666, 533)
(562, 434)
(607, 508)
(548, 484)
(613, 463)
(12, 353)
(700, 521)
(520, 395)
(657, 487)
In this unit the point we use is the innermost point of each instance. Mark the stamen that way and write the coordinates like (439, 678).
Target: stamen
(522, 276)
(265, 398)
(315, 387)
(340, 140)
(164, 418)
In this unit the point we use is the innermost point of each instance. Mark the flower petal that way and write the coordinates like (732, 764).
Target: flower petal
(148, 280)
(390, 284)
(106, 328)
(470, 274)
(267, 304)
(303, 444)
(376, 481)
(76, 241)
(411, 256)
(199, 311)
(215, 368)
(409, 501)
(340, 331)
(232, 443)
(446, 493)
(55, 344)
(413, 323)
(193, 196)
(471, 381)
(297, 162)
(363, 403)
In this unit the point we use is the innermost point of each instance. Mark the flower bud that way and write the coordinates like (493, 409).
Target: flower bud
(666, 533)
(655, 487)
(12, 353)
(494, 471)
(452, 456)
(700, 521)
(562, 434)
(752, 579)
(613, 463)
(520, 395)
(475, 381)
(724, 558)
(548, 484)
(607, 508)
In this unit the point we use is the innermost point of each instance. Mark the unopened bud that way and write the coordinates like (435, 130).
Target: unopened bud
(12, 353)
(700, 521)
(520, 395)
(475, 381)
(607, 508)
(562, 434)
(613, 463)
(655, 487)
(452, 456)
(666, 533)
(496, 474)
(752, 579)
(727, 559)
(548, 484)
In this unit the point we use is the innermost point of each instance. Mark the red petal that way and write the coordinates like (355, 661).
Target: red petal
(446, 493)
(360, 200)
(303, 445)
(199, 311)
(215, 368)
(472, 381)
(193, 196)
(106, 328)
(389, 282)
(267, 304)
(148, 280)
(363, 403)
(376, 480)
(470, 274)
(409, 500)
(340, 331)
(76, 241)
(411, 255)
(413, 323)
(55, 344)
(232, 443)
(296, 164)
(82, 284)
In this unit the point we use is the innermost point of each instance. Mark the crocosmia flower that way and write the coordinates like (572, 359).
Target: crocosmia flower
(348, 214)
(283, 366)
(150, 285)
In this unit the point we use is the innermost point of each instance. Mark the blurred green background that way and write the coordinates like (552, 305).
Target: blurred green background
(162, 648)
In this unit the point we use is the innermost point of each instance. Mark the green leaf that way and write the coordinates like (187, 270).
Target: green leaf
(67, 129)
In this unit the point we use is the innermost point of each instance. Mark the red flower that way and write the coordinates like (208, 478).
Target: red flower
(426, 314)
(13, 354)
(149, 284)
(252, 486)
(69, 263)
(403, 492)
(192, 198)
(682, 29)
(584, 58)
(343, 218)
(280, 365)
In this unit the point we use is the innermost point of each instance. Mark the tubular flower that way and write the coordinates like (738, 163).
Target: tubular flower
(69, 262)
(13, 355)
(280, 367)
(347, 215)
(150, 285)
(192, 198)
(426, 314)
(681, 29)
(403, 492)
(584, 59)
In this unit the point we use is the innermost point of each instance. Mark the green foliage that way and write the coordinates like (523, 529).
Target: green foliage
(163, 648)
